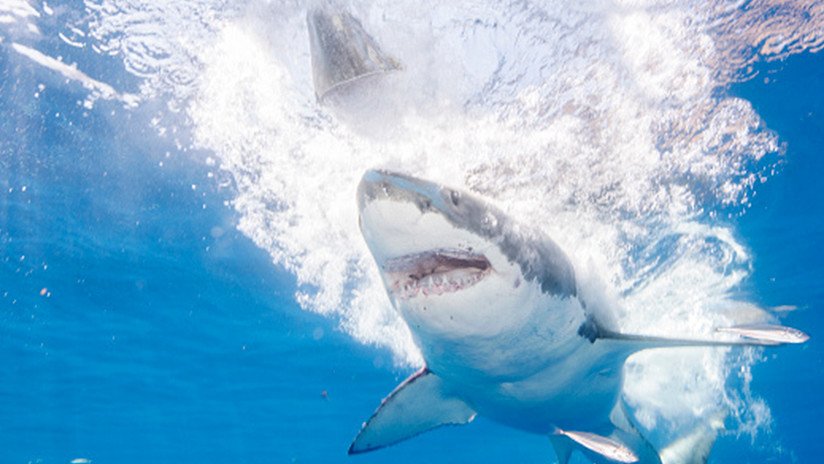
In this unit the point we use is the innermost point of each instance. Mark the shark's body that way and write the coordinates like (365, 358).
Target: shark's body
(505, 332)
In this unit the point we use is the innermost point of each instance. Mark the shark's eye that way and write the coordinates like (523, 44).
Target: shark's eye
(455, 197)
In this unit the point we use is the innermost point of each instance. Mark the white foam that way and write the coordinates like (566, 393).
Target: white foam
(21, 9)
(17, 19)
(605, 124)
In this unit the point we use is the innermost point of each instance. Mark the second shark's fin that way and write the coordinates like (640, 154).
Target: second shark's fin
(415, 406)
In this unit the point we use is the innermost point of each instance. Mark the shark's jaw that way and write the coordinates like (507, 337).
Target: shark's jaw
(434, 272)
(426, 250)
(439, 254)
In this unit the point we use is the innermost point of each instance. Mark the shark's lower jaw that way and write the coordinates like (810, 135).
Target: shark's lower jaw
(434, 272)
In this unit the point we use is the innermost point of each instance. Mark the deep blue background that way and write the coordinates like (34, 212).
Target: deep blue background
(166, 336)
(785, 231)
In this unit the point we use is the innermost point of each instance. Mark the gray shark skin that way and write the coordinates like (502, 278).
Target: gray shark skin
(504, 330)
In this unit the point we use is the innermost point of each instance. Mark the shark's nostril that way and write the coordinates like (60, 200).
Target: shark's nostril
(455, 196)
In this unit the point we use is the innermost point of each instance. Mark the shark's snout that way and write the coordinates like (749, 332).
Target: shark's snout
(411, 226)
(378, 184)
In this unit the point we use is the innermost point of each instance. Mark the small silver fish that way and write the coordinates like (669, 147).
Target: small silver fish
(602, 445)
(769, 334)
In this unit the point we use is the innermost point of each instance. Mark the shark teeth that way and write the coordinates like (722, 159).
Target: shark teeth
(437, 284)
(434, 272)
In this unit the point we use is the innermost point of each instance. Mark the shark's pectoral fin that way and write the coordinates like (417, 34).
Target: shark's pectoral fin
(415, 406)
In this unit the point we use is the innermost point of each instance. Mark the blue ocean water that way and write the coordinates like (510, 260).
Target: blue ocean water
(138, 325)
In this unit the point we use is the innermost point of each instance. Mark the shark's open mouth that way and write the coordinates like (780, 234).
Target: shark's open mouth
(434, 272)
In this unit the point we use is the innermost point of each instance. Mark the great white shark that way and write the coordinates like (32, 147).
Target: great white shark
(504, 328)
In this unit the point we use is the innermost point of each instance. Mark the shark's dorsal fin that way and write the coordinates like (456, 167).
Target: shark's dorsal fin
(415, 406)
